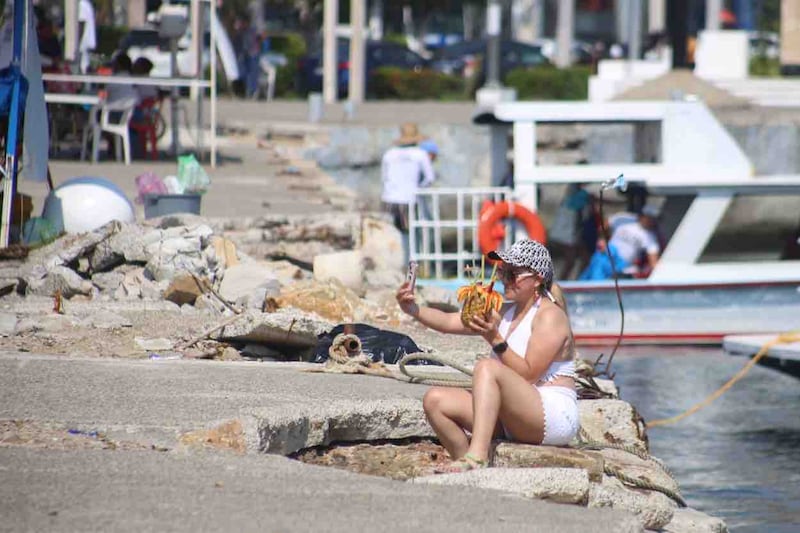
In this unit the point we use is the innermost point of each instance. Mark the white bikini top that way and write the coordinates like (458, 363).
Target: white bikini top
(518, 341)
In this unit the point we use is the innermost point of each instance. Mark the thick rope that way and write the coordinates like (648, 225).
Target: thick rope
(436, 378)
(784, 338)
(617, 472)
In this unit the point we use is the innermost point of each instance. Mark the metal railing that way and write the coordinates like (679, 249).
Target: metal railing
(443, 228)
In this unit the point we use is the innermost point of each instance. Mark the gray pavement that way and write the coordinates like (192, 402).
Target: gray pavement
(182, 490)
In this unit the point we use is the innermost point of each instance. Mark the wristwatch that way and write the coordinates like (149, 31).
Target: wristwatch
(500, 347)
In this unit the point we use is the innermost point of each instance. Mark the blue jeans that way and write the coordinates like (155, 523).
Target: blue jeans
(599, 266)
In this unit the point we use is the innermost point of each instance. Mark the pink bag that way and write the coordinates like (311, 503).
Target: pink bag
(149, 183)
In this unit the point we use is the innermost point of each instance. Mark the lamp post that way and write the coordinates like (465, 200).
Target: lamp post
(493, 91)
(493, 24)
(172, 25)
(564, 30)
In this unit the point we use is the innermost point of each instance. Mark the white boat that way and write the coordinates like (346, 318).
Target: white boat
(698, 172)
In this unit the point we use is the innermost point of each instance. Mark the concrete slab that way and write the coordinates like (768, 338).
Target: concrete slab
(152, 401)
(152, 491)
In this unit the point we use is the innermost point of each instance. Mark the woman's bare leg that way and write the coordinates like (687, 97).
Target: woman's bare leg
(501, 395)
(449, 412)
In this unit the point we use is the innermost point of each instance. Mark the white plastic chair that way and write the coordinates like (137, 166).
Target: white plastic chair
(116, 127)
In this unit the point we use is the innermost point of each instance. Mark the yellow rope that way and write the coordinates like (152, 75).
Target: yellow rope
(783, 338)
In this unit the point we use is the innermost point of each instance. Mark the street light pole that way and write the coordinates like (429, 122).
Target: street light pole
(329, 20)
(355, 88)
(564, 30)
(493, 25)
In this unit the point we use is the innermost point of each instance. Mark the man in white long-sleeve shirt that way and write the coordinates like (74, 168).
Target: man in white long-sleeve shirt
(404, 168)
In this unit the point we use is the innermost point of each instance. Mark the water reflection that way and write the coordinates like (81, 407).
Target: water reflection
(737, 458)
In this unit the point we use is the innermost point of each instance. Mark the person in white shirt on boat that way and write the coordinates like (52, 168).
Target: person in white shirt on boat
(525, 390)
(632, 237)
(404, 168)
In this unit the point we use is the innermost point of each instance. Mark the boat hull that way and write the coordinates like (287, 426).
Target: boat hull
(680, 313)
(784, 357)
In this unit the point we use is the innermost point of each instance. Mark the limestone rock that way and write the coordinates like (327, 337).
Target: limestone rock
(285, 432)
(59, 278)
(338, 230)
(689, 520)
(131, 286)
(177, 249)
(562, 485)
(285, 327)
(224, 251)
(612, 421)
(383, 279)
(210, 303)
(648, 471)
(287, 273)
(243, 281)
(125, 246)
(330, 300)
(108, 282)
(346, 267)
(183, 289)
(653, 509)
(70, 247)
(382, 245)
(511, 454)
(180, 256)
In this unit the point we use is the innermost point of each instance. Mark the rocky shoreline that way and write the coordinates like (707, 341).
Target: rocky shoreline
(184, 287)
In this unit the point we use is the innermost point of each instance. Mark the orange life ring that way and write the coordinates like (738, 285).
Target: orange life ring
(491, 231)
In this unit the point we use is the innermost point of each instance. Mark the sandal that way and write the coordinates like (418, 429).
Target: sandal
(465, 464)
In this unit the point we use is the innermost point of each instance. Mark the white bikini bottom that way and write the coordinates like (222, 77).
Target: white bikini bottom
(561, 420)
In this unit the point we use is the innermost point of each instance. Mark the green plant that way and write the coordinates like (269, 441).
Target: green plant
(402, 84)
(108, 38)
(765, 67)
(293, 46)
(550, 83)
(397, 38)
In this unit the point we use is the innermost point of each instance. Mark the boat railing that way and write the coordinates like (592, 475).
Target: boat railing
(443, 228)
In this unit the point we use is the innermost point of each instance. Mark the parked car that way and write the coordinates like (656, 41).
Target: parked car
(378, 54)
(513, 54)
(581, 52)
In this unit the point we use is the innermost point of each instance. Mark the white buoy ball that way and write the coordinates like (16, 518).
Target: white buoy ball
(84, 204)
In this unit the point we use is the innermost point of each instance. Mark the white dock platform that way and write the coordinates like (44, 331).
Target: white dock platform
(783, 357)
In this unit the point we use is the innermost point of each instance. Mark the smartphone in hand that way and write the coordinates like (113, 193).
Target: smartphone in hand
(411, 275)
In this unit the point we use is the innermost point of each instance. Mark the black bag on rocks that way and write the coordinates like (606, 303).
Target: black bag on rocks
(380, 345)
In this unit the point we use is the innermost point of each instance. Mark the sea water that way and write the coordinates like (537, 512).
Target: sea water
(738, 458)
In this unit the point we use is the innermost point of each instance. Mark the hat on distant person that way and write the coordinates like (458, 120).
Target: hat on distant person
(650, 211)
(409, 134)
(429, 146)
(527, 253)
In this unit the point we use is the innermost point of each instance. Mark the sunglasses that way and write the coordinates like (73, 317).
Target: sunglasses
(511, 277)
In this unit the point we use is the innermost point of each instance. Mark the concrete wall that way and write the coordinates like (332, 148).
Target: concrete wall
(352, 154)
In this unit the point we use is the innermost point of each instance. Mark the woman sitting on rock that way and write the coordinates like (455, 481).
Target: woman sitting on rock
(526, 391)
